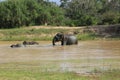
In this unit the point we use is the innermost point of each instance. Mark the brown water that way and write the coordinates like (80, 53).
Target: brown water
(85, 57)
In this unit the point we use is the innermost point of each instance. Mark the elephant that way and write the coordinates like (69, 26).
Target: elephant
(15, 45)
(66, 39)
(30, 43)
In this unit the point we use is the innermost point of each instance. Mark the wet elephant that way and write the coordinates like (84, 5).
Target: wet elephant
(15, 45)
(66, 39)
(30, 43)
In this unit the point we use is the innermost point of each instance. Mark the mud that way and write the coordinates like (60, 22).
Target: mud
(85, 57)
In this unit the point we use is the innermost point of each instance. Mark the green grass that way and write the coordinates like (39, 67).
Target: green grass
(86, 36)
(110, 75)
(10, 72)
(20, 34)
(37, 70)
(33, 74)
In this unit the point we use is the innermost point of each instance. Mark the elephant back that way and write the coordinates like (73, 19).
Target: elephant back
(71, 39)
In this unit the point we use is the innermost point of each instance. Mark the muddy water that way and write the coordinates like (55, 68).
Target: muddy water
(85, 57)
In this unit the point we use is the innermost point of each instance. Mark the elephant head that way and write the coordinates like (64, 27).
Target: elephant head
(15, 45)
(66, 39)
(58, 37)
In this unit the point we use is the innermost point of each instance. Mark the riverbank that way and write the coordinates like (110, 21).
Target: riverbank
(46, 33)
(38, 33)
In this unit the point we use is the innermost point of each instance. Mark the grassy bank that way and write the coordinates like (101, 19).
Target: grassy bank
(37, 34)
(42, 34)
(20, 34)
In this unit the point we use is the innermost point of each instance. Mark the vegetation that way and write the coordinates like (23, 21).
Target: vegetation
(20, 34)
(17, 13)
(34, 71)
(47, 34)
(110, 75)
(41, 34)
(36, 75)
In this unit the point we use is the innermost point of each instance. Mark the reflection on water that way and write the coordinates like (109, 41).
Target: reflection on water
(81, 58)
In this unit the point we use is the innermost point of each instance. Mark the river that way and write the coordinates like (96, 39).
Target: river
(85, 57)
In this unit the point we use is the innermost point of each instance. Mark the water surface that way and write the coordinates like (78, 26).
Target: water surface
(82, 58)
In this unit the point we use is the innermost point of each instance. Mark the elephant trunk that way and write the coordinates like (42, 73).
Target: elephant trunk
(53, 41)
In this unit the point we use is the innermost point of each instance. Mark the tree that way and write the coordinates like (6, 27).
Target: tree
(82, 11)
(110, 11)
(16, 13)
(92, 12)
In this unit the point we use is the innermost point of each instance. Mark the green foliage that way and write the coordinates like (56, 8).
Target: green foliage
(92, 12)
(86, 36)
(82, 12)
(17, 13)
(110, 17)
